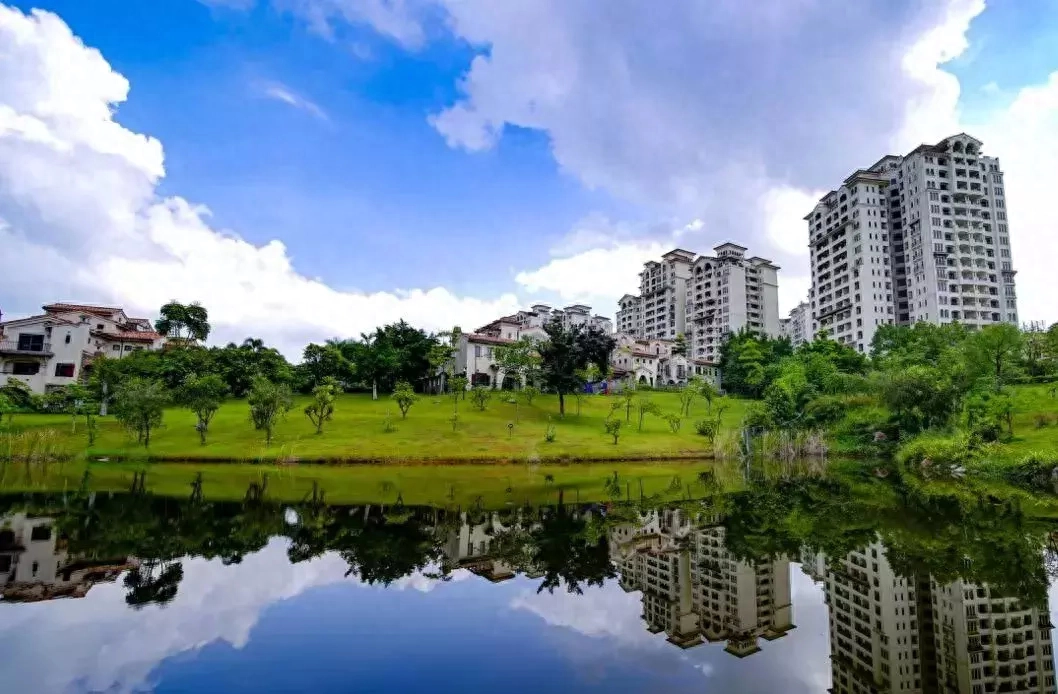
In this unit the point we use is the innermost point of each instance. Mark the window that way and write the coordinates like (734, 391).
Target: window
(128, 348)
(40, 532)
(116, 348)
(64, 370)
(30, 343)
(25, 368)
(99, 326)
(67, 338)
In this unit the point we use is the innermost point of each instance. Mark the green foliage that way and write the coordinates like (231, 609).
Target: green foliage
(321, 408)
(202, 395)
(405, 397)
(519, 359)
(744, 357)
(320, 363)
(457, 385)
(613, 428)
(937, 451)
(551, 433)
(674, 421)
(187, 322)
(529, 393)
(647, 407)
(920, 397)
(480, 396)
(1035, 471)
(679, 345)
(687, 395)
(824, 411)
(268, 402)
(567, 353)
(709, 428)
(139, 406)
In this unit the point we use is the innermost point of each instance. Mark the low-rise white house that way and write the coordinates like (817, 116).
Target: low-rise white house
(53, 348)
(651, 362)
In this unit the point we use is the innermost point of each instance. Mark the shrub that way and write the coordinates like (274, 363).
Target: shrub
(529, 393)
(824, 411)
(708, 428)
(405, 397)
(1043, 420)
(268, 402)
(551, 433)
(480, 396)
(936, 451)
(757, 417)
(1035, 471)
(675, 422)
(140, 404)
(613, 428)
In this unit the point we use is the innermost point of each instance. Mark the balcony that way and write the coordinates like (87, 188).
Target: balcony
(23, 348)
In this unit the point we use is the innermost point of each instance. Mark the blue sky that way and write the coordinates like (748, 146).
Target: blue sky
(490, 155)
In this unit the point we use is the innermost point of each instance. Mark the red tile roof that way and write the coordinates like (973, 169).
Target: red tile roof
(87, 308)
(488, 339)
(128, 336)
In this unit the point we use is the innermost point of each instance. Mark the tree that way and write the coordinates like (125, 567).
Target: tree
(458, 387)
(405, 397)
(480, 396)
(613, 428)
(567, 352)
(518, 359)
(647, 407)
(529, 393)
(81, 404)
(321, 408)
(687, 396)
(18, 395)
(442, 353)
(6, 408)
(268, 402)
(188, 322)
(140, 404)
(202, 395)
(322, 362)
(679, 346)
(998, 346)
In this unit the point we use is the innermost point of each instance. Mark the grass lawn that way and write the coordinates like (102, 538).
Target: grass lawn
(1034, 406)
(357, 433)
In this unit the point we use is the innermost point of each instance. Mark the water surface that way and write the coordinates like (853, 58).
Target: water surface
(787, 586)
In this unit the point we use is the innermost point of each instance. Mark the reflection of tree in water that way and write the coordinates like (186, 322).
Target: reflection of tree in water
(944, 536)
(153, 582)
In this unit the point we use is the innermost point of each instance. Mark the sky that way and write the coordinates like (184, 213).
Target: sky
(311, 169)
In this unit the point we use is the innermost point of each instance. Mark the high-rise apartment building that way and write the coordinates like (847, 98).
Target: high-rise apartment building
(797, 327)
(694, 590)
(890, 633)
(704, 298)
(919, 237)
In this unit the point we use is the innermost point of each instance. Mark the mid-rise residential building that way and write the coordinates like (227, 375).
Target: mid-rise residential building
(918, 237)
(539, 315)
(694, 590)
(53, 348)
(704, 298)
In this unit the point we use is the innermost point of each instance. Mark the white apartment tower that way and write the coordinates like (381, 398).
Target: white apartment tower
(919, 237)
(703, 297)
(797, 328)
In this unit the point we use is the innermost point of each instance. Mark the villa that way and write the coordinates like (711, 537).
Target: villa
(52, 349)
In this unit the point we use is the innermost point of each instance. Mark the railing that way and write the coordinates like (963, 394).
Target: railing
(15, 346)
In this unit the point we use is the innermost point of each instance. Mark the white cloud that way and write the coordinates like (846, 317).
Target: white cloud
(81, 217)
(399, 20)
(598, 276)
(106, 646)
(284, 94)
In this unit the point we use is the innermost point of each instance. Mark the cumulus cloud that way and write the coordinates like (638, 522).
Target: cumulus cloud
(81, 216)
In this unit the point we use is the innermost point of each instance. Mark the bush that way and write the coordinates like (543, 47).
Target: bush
(550, 434)
(1043, 420)
(823, 412)
(675, 422)
(613, 428)
(709, 428)
(757, 417)
(938, 451)
(1035, 471)
(480, 396)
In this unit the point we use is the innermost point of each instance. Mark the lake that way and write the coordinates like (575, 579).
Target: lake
(853, 584)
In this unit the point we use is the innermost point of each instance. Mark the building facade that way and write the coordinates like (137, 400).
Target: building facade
(704, 298)
(52, 349)
(694, 590)
(890, 633)
(797, 326)
(919, 237)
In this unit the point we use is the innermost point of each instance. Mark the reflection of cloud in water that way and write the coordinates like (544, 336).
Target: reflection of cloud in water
(99, 644)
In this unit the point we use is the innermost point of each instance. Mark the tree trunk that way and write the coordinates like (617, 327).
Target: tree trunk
(202, 434)
(374, 389)
(147, 437)
(561, 403)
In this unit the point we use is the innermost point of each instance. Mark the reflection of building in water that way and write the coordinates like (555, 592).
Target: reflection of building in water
(694, 590)
(986, 642)
(893, 634)
(875, 641)
(34, 563)
(466, 545)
